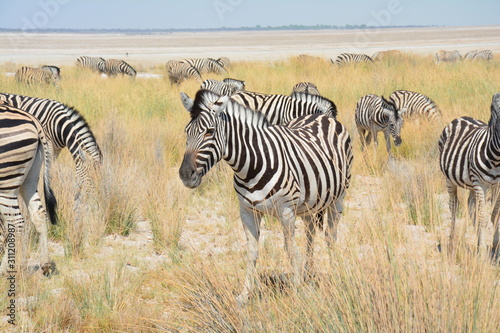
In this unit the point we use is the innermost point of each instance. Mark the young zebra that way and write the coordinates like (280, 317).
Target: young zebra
(64, 127)
(31, 75)
(305, 170)
(114, 67)
(469, 157)
(25, 153)
(350, 58)
(280, 109)
(447, 56)
(306, 87)
(374, 114)
(180, 71)
(413, 104)
(96, 64)
(226, 87)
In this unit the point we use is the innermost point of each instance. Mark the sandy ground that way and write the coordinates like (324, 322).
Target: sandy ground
(63, 49)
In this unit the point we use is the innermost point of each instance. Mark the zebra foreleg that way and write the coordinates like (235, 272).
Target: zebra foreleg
(387, 137)
(495, 251)
(482, 225)
(251, 225)
(453, 203)
(471, 204)
(287, 219)
(310, 222)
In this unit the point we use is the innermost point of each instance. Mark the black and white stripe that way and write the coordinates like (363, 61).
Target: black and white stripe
(31, 75)
(227, 87)
(479, 55)
(64, 127)
(413, 104)
(206, 65)
(115, 67)
(96, 64)
(448, 56)
(374, 114)
(301, 169)
(25, 156)
(306, 87)
(180, 71)
(469, 157)
(280, 109)
(350, 58)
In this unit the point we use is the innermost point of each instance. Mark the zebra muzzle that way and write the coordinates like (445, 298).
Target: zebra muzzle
(397, 141)
(189, 174)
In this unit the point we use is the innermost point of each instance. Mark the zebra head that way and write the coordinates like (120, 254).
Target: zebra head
(395, 120)
(205, 136)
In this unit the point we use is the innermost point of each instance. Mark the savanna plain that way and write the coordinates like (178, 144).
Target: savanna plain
(149, 255)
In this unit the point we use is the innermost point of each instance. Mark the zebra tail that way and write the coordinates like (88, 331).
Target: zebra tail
(50, 199)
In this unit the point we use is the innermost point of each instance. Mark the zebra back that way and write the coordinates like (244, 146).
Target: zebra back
(413, 104)
(349, 58)
(205, 65)
(180, 71)
(324, 105)
(96, 64)
(114, 67)
(64, 127)
(306, 87)
(226, 87)
(448, 56)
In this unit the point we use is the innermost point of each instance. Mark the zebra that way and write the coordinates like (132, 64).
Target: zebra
(31, 75)
(25, 156)
(206, 65)
(116, 66)
(374, 114)
(281, 109)
(479, 55)
(383, 55)
(306, 87)
(224, 62)
(96, 64)
(64, 127)
(349, 58)
(447, 56)
(226, 87)
(469, 157)
(301, 169)
(56, 71)
(180, 71)
(412, 104)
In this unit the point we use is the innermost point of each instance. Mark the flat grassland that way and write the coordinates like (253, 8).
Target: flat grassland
(148, 255)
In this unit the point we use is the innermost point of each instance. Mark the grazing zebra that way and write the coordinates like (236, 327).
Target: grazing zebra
(56, 71)
(25, 156)
(374, 114)
(349, 58)
(64, 127)
(96, 64)
(224, 62)
(280, 109)
(180, 71)
(383, 55)
(479, 55)
(305, 170)
(226, 87)
(413, 104)
(306, 87)
(116, 66)
(206, 65)
(448, 56)
(31, 75)
(469, 157)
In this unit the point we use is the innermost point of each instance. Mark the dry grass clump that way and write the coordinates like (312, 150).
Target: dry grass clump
(143, 253)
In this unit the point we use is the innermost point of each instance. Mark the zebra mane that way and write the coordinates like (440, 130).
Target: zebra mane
(203, 101)
(389, 104)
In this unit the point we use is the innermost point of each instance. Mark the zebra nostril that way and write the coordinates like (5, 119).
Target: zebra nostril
(398, 141)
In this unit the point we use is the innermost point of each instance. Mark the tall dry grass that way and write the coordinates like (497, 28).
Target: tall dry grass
(389, 271)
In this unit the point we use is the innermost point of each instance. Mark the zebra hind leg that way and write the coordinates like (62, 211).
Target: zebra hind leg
(471, 205)
(453, 204)
(495, 250)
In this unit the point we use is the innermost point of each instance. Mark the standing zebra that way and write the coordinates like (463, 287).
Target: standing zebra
(349, 58)
(96, 64)
(374, 114)
(280, 109)
(469, 157)
(305, 171)
(480, 55)
(25, 156)
(448, 56)
(180, 71)
(226, 87)
(114, 67)
(206, 65)
(306, 87)
(413, 104)
(31, 75)
(64, 127)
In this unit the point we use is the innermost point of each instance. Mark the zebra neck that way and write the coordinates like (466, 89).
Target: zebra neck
(494, 134)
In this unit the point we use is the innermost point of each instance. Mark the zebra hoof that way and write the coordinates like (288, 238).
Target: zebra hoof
(49, 268)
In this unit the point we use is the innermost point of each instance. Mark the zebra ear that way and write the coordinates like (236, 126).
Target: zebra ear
(495, 103)
(187, 101)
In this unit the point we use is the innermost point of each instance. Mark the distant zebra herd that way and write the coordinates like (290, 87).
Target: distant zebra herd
(453, 56)
(110, 67)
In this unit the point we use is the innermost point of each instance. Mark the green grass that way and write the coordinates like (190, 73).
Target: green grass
(386, 272)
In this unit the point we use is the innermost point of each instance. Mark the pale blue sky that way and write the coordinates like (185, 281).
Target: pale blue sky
(166, 14)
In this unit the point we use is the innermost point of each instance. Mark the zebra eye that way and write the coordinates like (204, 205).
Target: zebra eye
(209, 132)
